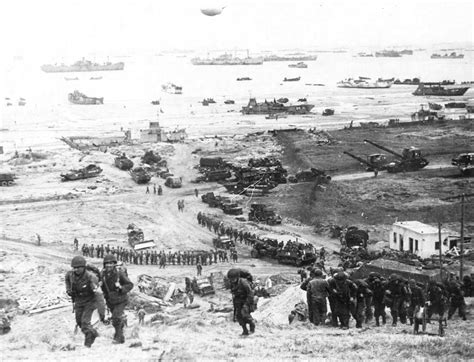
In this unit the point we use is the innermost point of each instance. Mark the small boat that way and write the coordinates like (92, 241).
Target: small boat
(243, 78)
(229, 101)
(70, 78)
(364, 83)
(453, 55)
(95, 78)
(440, 89)
(207, 101)
(155, 103)
(79, 98)
(328, 112)
(435, 106)
(172, 88)
(296, 79)
(302, 100)
(414, 81)
(276, 116)
(283, 100)
(455, 105)
(298, 65)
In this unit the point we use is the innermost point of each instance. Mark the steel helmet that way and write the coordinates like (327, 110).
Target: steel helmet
(340, 276)
(233, 273)
(78, 261)
(110, 258)
(318, 273)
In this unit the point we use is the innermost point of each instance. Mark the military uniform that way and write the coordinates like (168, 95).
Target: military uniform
(116, 286)
(318, 290)
(243, 299)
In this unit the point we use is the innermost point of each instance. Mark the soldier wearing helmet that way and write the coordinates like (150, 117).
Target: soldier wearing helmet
(82, 286)
(318, 291)
(243, 299)
(342, 291)
(115, 285)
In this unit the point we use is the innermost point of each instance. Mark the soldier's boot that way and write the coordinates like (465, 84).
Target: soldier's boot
(377, 323)
(90, 338)
(394, 320)
(118, 336)
(245, 331)
(411, 321)
(384, 319)
(441, 329)
(416, 326)
(252, 327)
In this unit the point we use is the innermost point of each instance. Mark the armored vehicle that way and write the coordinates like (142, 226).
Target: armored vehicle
(266, 248)
(140, 175)
(296, 257)
(123, 163)
(86, 172)
(7, 179)
(203, 286)
(311, 175)
(223, 242)
(410, 159)
(374, 161)
(231, 208)
(211, 199)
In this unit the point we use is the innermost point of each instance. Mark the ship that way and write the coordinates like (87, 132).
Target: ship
(453, 55)
(273, 107)
(80, 98)
(388, 54)
(365, 83)
(439, 89)
(298, 65)
(172, 88)
(296, 79)
(289, 58)
(227, 59)
(81, 66)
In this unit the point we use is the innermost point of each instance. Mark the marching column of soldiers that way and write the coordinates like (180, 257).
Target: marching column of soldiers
(366, 298)
(160, 258)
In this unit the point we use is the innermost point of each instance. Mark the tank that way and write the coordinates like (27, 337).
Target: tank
(83, 173)
(140, 175)
(264, 248)
(409, 160)
(7, 179)
(123, 163)
(465, 163)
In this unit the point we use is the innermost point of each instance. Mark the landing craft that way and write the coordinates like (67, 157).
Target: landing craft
(212, 11)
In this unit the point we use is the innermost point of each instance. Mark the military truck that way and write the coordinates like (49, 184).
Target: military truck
(262, 214)
(7, 179)
(231, 208)
(173, 182)
(123, 163)
(296, 257)
(356, 237)
(465, 163)
(211, 199)
(223, 242)
(203, 286)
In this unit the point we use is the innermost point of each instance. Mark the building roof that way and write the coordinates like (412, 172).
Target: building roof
(420, 228)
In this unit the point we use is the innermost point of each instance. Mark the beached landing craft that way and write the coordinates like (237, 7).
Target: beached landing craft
(440, 89)
(274, 107)
(365, 83)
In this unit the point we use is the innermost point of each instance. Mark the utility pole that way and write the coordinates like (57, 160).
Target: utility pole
(440, 252)
(461, 260)
(461, 247)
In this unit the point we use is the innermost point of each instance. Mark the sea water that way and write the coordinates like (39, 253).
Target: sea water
(48, 115)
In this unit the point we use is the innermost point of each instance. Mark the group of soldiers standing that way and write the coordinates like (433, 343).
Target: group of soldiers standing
(154, 257)
(367, 298)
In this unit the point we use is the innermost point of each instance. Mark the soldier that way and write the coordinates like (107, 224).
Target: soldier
(199, 268)
(378, 285)
(395, 297)
(141, 316)
(358, 309)
(160, 190)
(436, 301)
(243, 300)
(83, 287)
(76, 244)
(318, 291)
(116, 285)
(456, 300)
(196, 192)
(343, 296)
(416, 301)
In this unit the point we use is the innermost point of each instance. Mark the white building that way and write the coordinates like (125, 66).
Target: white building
(420, 239)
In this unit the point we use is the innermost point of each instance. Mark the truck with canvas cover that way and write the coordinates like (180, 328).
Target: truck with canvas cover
(356, 237)
(296, 253)
(231, 208)
(223, 242)
(212, 162)
(211, 199)
(262, 214)
(173, 182)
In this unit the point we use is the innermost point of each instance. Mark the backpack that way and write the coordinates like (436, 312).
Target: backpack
(94, 270)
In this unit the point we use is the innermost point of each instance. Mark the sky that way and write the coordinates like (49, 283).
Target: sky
(50, 28)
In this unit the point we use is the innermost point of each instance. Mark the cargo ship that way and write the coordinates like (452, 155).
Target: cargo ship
(440, 89)
(227, 59)
(82, 66)
(274, 107)
(290, 58)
